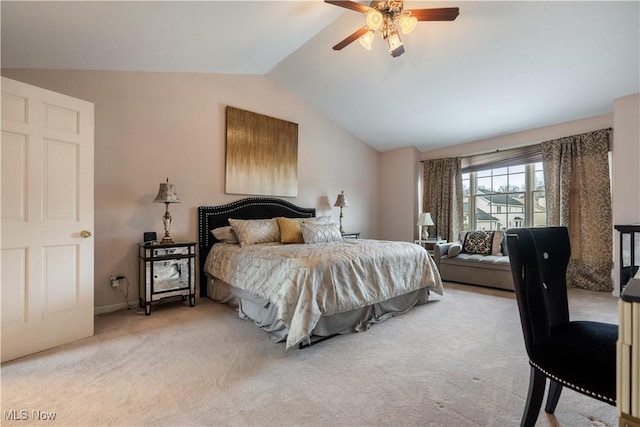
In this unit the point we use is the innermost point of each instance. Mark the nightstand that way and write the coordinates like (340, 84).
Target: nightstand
(429, 243)
(166, 270)
(350, 235)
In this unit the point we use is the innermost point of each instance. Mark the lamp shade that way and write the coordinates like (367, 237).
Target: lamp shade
(341, 201)
(167, 193)
(407, 23)
(425, 219)
(367, 39)
(374, 19)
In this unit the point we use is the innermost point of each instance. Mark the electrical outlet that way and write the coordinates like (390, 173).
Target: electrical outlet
(115, 281)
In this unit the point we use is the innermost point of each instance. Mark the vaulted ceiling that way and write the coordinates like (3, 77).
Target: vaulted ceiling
(499, 68)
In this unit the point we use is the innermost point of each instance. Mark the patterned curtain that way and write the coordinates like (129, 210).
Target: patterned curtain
(578, 192)
(442, 195)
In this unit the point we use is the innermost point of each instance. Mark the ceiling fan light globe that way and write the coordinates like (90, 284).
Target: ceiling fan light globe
(407, 23)
(367, 40)
(374, 20)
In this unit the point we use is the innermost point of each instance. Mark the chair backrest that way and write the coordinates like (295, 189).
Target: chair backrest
(539, 259)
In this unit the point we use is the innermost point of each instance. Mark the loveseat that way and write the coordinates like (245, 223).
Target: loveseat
(477, 258)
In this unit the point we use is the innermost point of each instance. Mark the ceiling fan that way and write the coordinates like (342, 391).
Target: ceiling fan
(385, 18)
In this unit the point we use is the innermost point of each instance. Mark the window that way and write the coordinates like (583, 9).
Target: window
(505, 197)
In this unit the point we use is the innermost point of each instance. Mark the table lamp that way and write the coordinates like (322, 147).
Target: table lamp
(424, 220)
(167, 194)
(341, 202)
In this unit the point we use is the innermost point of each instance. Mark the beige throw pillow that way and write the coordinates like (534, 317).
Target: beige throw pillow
(252, 231)
(225, 234)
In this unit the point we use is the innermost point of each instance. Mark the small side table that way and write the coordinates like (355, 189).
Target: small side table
(429, 244)
(166, 270)
(350, 235)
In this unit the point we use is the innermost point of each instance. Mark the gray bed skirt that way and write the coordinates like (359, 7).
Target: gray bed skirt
(264, 314)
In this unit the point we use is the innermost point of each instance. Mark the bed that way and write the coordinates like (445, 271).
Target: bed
(304, 293)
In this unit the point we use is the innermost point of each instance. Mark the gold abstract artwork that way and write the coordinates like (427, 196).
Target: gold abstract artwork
(262, 155)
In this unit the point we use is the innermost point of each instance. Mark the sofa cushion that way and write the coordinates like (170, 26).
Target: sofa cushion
(479, 261)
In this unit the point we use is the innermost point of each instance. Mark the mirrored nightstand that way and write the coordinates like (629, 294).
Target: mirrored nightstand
(166, 270)
(350, 235)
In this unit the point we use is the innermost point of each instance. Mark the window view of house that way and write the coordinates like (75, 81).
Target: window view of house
(502, 198)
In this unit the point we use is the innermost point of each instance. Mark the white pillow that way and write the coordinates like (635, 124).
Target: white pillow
(454, 249)
(317, 220)
(225, 234)
(252, 231)
(496, 245)
(320, 233)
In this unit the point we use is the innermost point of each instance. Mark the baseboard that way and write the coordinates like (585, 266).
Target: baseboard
(114, 307)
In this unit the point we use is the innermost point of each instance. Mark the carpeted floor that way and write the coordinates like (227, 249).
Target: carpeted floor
(456, 361)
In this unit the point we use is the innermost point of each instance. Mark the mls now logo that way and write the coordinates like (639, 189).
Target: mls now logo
(14, 415)
(23, 415)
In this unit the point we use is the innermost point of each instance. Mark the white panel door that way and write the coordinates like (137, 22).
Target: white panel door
(47, 219)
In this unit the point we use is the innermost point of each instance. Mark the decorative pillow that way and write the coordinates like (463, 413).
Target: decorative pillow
(478, 242)
(225, 234)
(320, 233)
(496, 246)
(252, 231)
(290, 231)
(317, 220)
(454, 249)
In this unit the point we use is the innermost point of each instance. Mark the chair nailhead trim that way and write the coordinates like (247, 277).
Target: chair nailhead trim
(568, 384)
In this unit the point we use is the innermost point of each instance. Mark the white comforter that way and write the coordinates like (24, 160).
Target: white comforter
(306, 281)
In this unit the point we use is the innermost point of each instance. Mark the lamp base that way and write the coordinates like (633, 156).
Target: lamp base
(167, 239)
(425, 233)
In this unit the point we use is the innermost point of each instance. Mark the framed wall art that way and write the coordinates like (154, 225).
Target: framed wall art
(262, 154)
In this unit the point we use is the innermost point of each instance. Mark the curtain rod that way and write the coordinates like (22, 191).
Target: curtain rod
(497, 150)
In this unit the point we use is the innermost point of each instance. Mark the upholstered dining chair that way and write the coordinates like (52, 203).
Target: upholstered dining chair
(580, 355)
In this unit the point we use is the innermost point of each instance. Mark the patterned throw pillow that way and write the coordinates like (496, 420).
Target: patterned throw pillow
(252, 231)
(320, 233)
(290, 231)
(478, 242)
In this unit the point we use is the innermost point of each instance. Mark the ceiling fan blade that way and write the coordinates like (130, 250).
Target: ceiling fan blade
(353, 37)
(349, 5)
(441, 14)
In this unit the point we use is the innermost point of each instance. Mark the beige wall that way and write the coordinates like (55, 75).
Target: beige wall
(626, 160)
(625, 168)
(520, 139)
(399, 177)
(150, 126)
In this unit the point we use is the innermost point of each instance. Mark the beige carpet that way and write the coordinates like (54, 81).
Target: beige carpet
(458, 361)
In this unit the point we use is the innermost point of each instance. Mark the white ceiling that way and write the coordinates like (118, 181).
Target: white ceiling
(499, 68)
